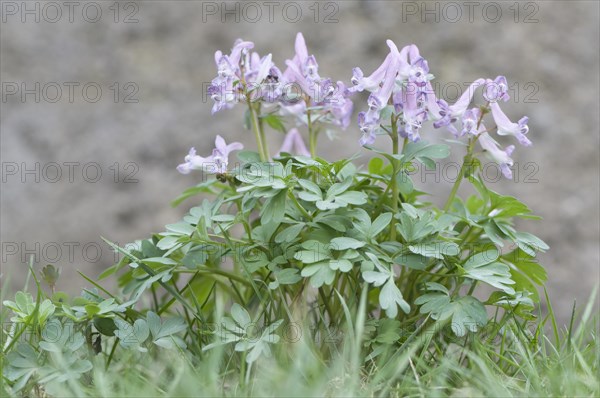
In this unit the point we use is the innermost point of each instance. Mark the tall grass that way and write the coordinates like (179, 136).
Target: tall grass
(520, 360)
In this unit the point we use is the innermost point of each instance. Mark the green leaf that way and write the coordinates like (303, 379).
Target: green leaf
(312, 256)
(414, 261)
(405, 183)
(380, 223)
(167, 242)
(310, 187)
(467, 313)
(196, 256)
(376, 166)
(274, 209)
(527, 265)
(157, 261)
(290, 233)
(376, 278)
(181, 228)
(422, 149)
(240, 315)
(274, 121)
(319, 273)
(435, 249)
(339, 188)
(353, 197)
(530, 243)
(390, 298)
(482, 258)
(340, 264)
(246, 156)
(344, 243)
(495, 274)
(287, 276)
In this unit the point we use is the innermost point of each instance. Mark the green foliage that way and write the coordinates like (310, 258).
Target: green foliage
(303, 249)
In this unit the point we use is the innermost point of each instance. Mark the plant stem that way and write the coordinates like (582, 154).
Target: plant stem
(394, 181)
(312, 137)
(466, 163)
(299, 206)
(258, 134)
(459, 178)
(262, 134)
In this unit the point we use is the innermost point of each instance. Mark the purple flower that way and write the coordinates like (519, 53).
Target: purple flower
(470, 119)
(293, 143)
(192, 162)
(303, 73)
(272, 87)
(215, 163)
(451, 113)
(496, 89)
(404, 78)
(419, 72)
(431, 103)
(241, 66)
(410, 102)
(502, 157)
(302, 69)
(379, 99)
(367, 127)
(372, 82)
(415, 69)
(339, 107)
(506, 127)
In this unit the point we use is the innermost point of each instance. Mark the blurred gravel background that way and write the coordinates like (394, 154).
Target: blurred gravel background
(160, 54)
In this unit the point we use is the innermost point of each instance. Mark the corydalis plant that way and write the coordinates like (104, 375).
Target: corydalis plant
(297, 243)
(299, 236)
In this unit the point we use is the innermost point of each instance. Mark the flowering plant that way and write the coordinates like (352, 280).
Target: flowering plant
(295, 228)
(289, 237)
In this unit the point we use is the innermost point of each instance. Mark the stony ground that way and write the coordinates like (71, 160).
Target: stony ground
(117, 158)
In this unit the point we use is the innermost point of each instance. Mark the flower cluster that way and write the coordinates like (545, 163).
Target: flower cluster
(401, 99)
(403, 82)
(243, 75)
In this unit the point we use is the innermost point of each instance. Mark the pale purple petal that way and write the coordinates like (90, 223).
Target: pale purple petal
(502, 157)
(293, 143)
(460, 106)
(496, 89)
(506, 127)
(240, 47)
(300, 47)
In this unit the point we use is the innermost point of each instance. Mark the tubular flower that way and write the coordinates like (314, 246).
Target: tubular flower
(451, 113)
(293, 143)
(502, 157)
(496, 89)
(216, 163)
(506, 127)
